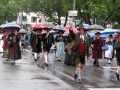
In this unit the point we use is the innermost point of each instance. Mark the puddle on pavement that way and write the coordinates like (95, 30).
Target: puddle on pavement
(42, 78)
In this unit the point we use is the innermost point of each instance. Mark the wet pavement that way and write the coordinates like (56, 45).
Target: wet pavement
(102, 78)
(27, 75)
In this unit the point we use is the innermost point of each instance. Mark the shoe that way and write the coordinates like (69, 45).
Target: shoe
(46, 64)
(59, 60)
(75, 76)
(13, 63)
(117, 76)
(79, 81)
(94, 64)
(35, 59)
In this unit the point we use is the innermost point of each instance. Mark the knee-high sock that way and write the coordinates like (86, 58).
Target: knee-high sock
(45, 56)
(118, 70)
(109, 61)
(38, 55)
(79, 73)
(35, 55)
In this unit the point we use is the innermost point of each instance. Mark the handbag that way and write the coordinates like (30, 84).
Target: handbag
(105, 47)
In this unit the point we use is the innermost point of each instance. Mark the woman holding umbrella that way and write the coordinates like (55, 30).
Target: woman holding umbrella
(60, 44)
(14, 47)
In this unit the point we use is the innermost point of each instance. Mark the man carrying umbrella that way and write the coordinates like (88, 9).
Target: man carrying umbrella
(97, 44)
(81, 48)
(48, 40)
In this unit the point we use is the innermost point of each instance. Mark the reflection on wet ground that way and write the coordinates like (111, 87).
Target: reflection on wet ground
(92, 77)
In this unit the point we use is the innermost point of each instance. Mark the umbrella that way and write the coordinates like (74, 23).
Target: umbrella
(92, 35)
(53, 32)
(10, 26)
(95, 27)
(86, 25)
(22, 31)
(48, 25)
(37, 25)
(108, 31)
(67, 31)
(58, 28)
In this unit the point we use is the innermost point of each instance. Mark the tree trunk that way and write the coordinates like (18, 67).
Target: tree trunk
(66, 19)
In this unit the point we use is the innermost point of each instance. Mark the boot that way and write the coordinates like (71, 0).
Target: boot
(94, 63)
(97, 63)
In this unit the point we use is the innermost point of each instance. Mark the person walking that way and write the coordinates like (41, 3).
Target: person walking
(97, 48)
(60, 45)
(14, 47)
(81, 48)
(117, 47)
(48, 40)
(109, 53)
(36, 43)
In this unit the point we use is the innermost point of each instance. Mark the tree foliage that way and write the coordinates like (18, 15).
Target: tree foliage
(103, 11)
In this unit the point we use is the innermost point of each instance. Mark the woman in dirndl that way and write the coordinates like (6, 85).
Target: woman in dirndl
(109, 52)
(14, 47)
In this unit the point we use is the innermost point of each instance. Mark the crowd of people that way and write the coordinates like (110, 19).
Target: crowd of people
(76, 46)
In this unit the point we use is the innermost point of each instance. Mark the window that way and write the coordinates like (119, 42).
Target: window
(34, 19)
(25, 18)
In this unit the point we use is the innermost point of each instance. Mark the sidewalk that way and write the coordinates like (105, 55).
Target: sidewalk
(26, 75)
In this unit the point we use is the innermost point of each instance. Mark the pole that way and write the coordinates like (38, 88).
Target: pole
(74, 4)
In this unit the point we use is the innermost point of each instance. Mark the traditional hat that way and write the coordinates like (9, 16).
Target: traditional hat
(61, 31)
(97, 33)
(80, 27)
(110, 35)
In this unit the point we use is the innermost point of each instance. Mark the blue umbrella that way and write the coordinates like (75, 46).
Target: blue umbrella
(92, 35)
(108, 31)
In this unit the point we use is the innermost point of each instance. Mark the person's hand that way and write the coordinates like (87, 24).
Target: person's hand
(30, 47)
(10, 38)
(88, 58)
(102, 48)
(46, 36)
(94, 38)
(70, 25)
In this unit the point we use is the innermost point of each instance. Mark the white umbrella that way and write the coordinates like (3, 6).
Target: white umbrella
(22, 31)
(10, 26)
(58, 28)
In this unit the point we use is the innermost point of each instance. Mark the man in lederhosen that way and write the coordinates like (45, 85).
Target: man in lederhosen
(35, 42)
(48, 40)
(81, 49)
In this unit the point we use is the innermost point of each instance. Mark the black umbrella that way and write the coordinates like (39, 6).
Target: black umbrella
(95, 27)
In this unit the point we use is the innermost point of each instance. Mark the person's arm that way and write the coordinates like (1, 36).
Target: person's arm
(72, 34)
(117, 45)
(43, 37)
(88, 47)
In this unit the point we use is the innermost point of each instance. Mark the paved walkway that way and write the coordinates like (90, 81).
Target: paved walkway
(26, 75)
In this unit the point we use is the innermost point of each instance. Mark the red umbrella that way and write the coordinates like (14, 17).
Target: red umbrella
(37, 25)
(67, 31)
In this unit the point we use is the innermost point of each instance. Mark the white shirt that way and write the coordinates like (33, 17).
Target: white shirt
(82, 36)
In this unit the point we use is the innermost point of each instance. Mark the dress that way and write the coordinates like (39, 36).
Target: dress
(109, 52)
(60, 50)
(14, 51)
